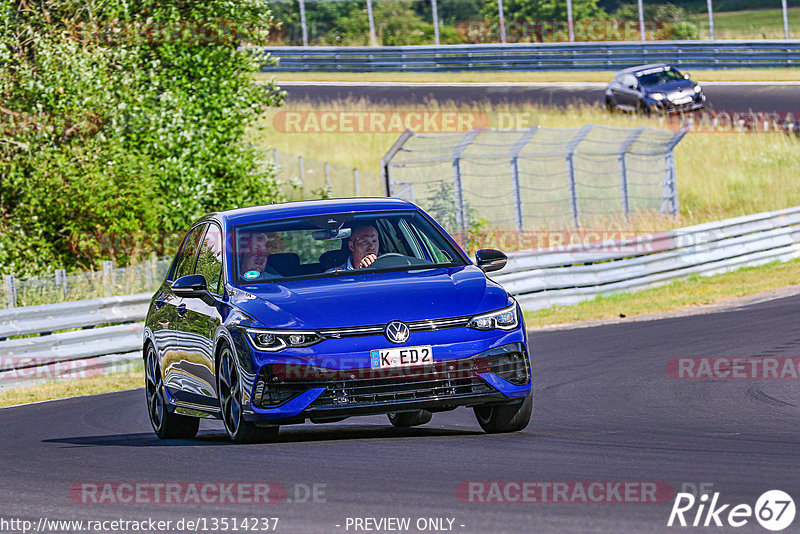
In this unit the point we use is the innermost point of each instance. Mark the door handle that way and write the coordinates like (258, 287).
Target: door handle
(181, 310)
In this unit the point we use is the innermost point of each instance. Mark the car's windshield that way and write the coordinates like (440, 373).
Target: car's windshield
(332, 245)
(655, 77)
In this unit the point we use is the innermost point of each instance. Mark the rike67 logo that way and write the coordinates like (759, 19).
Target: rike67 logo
(774, 510)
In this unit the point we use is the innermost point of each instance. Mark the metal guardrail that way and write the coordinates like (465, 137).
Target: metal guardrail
(563, 276)
(554, 276)
(54, 351)
(721, 54)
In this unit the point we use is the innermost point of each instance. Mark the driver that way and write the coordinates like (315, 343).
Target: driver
(363, 245)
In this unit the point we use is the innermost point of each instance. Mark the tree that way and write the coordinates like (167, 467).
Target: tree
(122, 118)
(540, 20)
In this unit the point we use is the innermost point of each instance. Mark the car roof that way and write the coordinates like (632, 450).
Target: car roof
(638, 68)
(304, 208)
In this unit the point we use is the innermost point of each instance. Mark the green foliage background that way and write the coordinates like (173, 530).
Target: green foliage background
(124, 118)
(410, 22)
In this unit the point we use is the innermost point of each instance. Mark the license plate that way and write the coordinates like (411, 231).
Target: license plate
(682, 100)
(401, 357)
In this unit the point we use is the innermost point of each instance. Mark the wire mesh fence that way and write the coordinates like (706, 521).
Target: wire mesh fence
(308, 178)
(61, 287)
(537, 178)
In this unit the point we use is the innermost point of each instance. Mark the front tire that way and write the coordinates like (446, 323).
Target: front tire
(167, 425)
(505, 417)
(409, 419)
(229, 390)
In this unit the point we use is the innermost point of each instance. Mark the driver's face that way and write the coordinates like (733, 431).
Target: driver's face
(255, 261)
(363, 242)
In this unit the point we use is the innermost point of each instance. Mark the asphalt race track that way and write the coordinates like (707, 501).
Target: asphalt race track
(765, 97)
(605, 410)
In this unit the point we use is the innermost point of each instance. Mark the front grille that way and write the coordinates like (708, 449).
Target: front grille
(354, 387)
(414, 326)
(355, 392)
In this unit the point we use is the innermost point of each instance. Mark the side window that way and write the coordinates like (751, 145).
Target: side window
(209, 261)
(391, 240)
(438, 255)
(188, 253)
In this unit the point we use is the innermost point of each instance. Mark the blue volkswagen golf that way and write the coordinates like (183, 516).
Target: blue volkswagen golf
(323, 310)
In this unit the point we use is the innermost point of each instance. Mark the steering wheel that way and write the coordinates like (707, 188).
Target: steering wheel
(392, 260)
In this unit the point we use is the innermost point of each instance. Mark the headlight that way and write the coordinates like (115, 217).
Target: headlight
(505, 319)
(697, 89)
(657, 96)
(275, 340)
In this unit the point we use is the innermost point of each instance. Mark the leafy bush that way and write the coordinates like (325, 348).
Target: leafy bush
(673, 21)
(123, 118)
(401, 22)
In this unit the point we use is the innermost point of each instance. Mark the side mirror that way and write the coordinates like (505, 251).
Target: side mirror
(685, 75)
(489, 259)
(192, 286)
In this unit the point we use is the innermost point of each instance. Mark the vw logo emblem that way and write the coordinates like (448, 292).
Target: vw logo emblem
(397, 332)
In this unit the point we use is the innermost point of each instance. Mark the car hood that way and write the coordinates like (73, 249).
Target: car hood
(369, 299)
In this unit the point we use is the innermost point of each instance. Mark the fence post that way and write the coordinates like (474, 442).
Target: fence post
(302, 173)
(303, 22)
(373, 40)
(108, 267)
(711, 19)
(355, 181)
(435, 10)
(785, 19)
(275, 158)
(458, 191)
(328, 177)
(387, 159)
(573, 186)
(11, 290)
(515, 150)
(669, 194)
(151, 270)
(623, 169)
(61, 280)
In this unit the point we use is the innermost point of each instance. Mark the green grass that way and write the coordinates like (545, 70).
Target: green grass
(749, 24)
(748, 173)
(681, 295)
(73, 388)
(725, 75)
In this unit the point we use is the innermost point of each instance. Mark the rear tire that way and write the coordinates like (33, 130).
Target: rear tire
(504, 417)
(408, 419)
(229, 390)
(167, 425)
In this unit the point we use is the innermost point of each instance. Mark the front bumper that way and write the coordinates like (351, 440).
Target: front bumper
(665, 106)
(501, 374)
